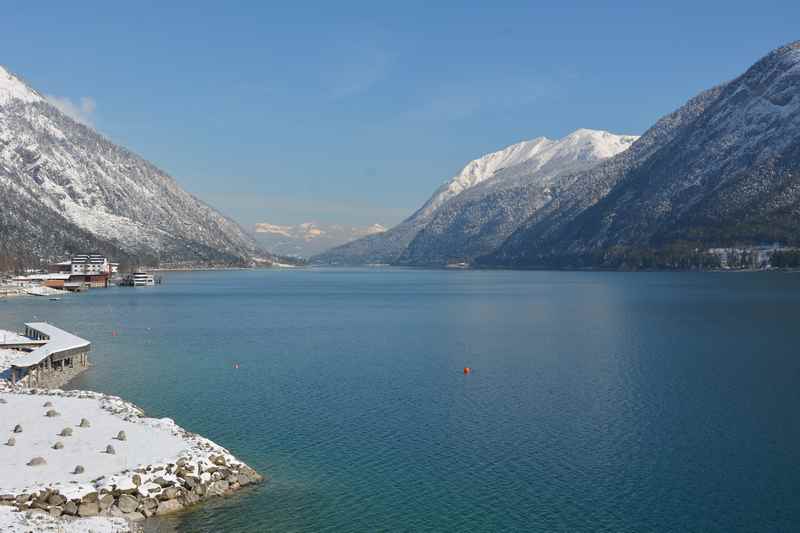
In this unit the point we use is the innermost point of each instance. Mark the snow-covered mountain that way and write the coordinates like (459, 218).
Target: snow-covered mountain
(489, 196)
(310, 238)
(722, 170)
(95, 194)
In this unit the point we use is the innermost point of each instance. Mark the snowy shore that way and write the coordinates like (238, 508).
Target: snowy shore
(92, 462)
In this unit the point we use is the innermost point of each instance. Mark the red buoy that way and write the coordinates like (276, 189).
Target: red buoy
(467, 370)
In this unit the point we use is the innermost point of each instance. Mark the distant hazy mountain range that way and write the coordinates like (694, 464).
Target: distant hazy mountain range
(307, 239)
(722, 170)
(65, 189)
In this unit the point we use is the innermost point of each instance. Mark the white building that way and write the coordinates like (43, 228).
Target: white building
(90, 265)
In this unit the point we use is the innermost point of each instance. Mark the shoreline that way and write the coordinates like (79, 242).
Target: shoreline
(200, 470)
(106, 474)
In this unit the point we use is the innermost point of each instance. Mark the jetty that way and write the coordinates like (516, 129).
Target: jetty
(42, 356)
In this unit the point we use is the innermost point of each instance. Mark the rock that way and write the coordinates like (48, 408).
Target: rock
(148, 507)
(189, 498)
(161, 482)
(56, 499)
(127, 503)
(88, 509)
(37, 461)
(169, 493)
(121, 436)
(218, 488)
(55, 511)
(110, 450)
(48, 404)
(66, 432)
(17, 429)
(2, 400)
(11, 441)
(58, 445)
(84, 423)
(169, 506)
(105, 501)
(52, 413)
(90, 497)
(70, 508)
(243, 480)
(190, 481)
(137, 479)
(79, 470)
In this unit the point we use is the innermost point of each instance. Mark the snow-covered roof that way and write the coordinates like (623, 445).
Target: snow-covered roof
(59, 341)
(44, 277)
(9, 338)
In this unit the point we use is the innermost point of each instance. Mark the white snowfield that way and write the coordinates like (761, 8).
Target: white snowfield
(12, 87)
(149, 445)
(528, 157)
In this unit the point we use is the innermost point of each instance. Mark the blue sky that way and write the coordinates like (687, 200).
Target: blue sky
(354, 112)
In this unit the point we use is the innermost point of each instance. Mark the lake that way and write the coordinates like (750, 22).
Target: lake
(597, 401)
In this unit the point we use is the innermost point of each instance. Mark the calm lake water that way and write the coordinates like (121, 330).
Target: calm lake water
(597, 402)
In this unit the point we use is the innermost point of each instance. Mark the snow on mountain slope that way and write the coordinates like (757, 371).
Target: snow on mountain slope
(722, 170)
(513, 166)
(478, 220)
(65, 167)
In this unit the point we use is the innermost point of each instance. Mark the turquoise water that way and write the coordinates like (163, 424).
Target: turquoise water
(597, 402)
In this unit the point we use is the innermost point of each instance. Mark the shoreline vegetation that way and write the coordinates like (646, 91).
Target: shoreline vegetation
(108, 468)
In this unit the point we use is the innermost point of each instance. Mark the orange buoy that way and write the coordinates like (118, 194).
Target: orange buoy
(467, 370)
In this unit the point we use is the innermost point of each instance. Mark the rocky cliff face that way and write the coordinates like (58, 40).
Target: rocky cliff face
(66, 189)
(722, 170)
(477, 209)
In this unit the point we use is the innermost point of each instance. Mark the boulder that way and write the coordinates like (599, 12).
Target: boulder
(137, 479)
(52, 413)
(66, 432)
(11, 441)
(127, 503)
(161, 482)
(121, 436)
(37, 461)
(17, 429)
(48, 404)
(168, 506)
(169, 493)
(55, 511)
(88, 509)
(58, 445)
(79, 470)
(105, 501)
(84, 423)
(110, 450)
(89, 497)
(71, 508)
(56, 499)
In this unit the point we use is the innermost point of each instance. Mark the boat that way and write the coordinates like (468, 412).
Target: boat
(54, 299)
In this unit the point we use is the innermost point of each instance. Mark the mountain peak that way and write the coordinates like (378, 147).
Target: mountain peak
(12, 87)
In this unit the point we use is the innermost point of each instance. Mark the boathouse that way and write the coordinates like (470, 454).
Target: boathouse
(49, 356)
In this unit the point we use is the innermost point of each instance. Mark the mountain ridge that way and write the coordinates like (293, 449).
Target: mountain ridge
(126, 203)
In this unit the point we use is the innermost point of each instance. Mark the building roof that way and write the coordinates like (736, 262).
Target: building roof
(9, 338)
(59, 341)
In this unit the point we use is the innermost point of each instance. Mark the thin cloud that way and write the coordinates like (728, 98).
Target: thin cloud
(81, 111)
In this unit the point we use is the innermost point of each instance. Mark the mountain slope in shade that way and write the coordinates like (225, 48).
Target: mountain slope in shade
(722, 170)
(478, 220)
(309, 238)
(101, 194)
(494, 173)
